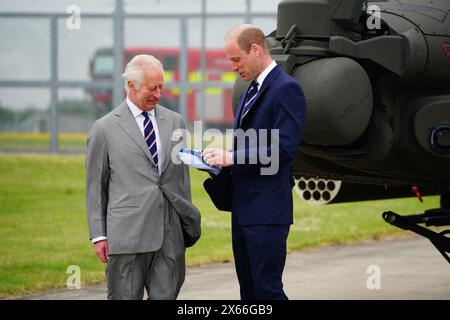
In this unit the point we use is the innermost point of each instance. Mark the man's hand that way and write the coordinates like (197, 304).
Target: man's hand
(216, 157)
(101, 250)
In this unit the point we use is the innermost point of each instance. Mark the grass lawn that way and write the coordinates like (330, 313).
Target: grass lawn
(43, 226)
(40, 142)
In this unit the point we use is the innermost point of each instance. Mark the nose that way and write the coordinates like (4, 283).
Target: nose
(157, 93)
(234, 67)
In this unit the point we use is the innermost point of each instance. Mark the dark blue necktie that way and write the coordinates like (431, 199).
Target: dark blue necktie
(251, 94)
(150, 137)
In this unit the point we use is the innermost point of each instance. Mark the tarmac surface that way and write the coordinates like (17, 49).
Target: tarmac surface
(402, 269)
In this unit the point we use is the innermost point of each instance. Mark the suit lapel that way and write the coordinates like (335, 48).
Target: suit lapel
(254, 104)
(237, 118)
(164, 135)
(128, 124)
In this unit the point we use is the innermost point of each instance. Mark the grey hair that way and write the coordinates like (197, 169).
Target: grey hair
(134, 70)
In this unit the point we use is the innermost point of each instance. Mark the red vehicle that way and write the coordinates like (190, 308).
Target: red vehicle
(217, 101)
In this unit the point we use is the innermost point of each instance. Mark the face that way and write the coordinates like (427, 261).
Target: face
(147, 96)
(243, 63)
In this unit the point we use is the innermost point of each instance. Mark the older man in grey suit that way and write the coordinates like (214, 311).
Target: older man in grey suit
(139, 206)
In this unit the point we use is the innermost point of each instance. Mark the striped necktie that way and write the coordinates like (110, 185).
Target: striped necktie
(150, 137)
(251, 94)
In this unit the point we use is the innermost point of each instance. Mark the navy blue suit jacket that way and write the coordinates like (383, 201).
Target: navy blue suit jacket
(257, 198)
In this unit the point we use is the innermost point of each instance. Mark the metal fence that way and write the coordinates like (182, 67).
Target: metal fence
(187, 22)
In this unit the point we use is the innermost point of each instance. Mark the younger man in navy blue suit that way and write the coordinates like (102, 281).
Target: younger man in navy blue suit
(260, 200)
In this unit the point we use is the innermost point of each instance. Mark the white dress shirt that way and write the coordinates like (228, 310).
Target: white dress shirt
(137, 114)
(265, 72)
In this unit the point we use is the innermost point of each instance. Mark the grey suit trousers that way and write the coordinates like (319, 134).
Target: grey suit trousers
(160, 272)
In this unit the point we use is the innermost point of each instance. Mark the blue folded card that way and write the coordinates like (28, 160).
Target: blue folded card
(194, 159)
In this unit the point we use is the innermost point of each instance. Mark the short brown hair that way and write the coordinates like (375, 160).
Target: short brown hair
(249, 36)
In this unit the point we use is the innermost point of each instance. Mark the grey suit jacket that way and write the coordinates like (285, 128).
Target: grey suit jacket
(125, 194)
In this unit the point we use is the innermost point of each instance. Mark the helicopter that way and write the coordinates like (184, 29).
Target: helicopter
(376, 77)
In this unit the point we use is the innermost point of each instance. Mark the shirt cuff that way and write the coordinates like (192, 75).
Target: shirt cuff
(97, 239)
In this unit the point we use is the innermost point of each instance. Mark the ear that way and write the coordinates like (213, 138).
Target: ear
(131, 86)
(254, 48)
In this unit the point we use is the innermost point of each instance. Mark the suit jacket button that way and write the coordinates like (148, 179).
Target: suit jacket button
(160, 206)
